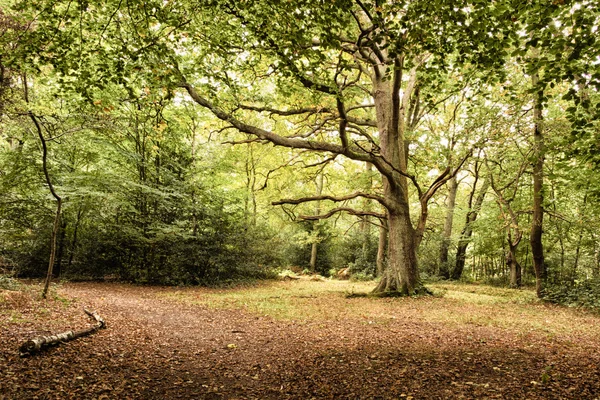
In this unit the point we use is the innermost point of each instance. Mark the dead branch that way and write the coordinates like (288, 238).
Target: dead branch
(37, 344)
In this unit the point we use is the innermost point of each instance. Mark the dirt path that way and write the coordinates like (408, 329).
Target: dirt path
(157, 347)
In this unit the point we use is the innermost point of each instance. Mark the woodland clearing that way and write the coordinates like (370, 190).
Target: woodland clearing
(298, 339)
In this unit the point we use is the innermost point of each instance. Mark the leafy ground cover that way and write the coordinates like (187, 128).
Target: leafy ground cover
(298, 339)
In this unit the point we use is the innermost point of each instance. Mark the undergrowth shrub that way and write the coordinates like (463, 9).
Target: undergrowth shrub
(584, 294)
(9, 283)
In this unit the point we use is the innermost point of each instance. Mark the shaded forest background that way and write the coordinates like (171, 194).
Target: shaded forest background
(155, 189)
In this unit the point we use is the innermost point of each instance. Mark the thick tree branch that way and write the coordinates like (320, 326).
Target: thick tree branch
(355, 153)
(299, 111)
(362, 122)
(309, 110)
(236, 142)
(343, 124)
(350, 211)
(424, 198)
(336, 199)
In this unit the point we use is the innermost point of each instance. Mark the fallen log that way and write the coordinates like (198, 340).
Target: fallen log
(37, 344)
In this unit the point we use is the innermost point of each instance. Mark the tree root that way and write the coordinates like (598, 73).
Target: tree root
(420, 291)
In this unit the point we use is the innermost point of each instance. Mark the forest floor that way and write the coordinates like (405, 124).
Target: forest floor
(297, 340)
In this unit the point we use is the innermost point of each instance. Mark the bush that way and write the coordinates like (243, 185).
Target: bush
(584, 294)
(9, 283)
(361, 277)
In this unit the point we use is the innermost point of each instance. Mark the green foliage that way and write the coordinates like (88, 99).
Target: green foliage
(584, 294)
(151, 197)
(7, 282)
(357, 252)
(361, 277)
(299, 252)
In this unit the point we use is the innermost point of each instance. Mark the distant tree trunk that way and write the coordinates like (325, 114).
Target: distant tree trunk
(75, 233)
(535, 237)
(512, 226)
(596, 271)
(444, 271)
(382, 247)
(467, 231)
(250, 199)
(61, 248)
(315, 244)
(579, 239)
(365, 225)
(58, 205)
(513, 265)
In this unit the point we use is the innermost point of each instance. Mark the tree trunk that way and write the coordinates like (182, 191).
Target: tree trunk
(401, 275)
(381, 247)
(61, 249)
(365, 225)
(56, 225)
(535, 237)
(467, 230)
(315, 243)
(513, 266)
(596, 273)
(444, 270)
(250, 199)
(580, 238)
(74, 241)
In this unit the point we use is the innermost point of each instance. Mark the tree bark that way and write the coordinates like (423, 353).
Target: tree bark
(535, 237)
(512, 226)
(365, 224)
(513, 265)
(61, 249)
(401, 275)
(580, 238)
(467, 231)
(250, 198)
(315, 243)
(75, 231)
(596, 269)
(444, 269)
(382, 247)
(37, 344)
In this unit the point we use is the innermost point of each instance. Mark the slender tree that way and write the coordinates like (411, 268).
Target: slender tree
(535, 237)
(56, 225)
(444, 271)
(467, 231)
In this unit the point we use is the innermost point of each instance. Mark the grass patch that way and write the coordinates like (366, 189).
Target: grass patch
(300, 299)
(453, 305)
(483, 294)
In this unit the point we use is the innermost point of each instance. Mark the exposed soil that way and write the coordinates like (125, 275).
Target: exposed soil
(157, 347)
